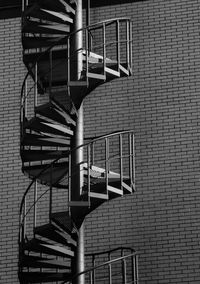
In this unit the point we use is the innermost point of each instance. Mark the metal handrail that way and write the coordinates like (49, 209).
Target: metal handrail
(117, 133)
(94, 26)
(107, 263)
(109, 251)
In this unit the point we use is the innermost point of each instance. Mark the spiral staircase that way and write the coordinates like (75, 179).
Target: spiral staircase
(50, 213)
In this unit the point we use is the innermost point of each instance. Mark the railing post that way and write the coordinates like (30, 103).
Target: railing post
(92, 154)
(25, 98)
(118, 45)
(104, 49)
(88, 171)
(130, 159)
(93, 273)
(23, 6)
(51, 71)
(110, 269)
(68, 61)
(136, 262)
(106, 162)
(50, 191)
(69, 181)
(135, 268)
(35, 205)
(128, 44)
(133, 161)
(35, 86)
(86, 54)
(121, 161)
(24, 220)
(124, 268)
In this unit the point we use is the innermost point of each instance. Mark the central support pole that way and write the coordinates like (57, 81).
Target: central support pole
(78, 156)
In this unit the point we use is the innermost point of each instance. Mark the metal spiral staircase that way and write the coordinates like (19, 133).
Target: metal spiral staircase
(51, 96)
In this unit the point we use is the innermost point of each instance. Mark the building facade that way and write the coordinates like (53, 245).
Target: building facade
(160, 103)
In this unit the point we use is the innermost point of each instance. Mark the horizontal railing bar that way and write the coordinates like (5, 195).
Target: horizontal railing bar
(109, 43)
(101, 265)
(110, 251)
(68, 153)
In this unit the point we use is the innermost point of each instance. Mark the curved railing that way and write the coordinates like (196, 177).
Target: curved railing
(110, 39)
(122, 269)
(116, 159)
(106, 158)
(24, 211)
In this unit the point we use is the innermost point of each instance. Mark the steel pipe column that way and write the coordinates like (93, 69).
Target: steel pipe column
(77, 181)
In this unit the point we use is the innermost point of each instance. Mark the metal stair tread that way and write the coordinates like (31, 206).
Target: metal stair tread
(43, 172)
(64, 221)
(43, 262)
(59, 16)
(53, 115)
(41, 155)
(30, 139)
(37, 27)
(39, 125)
(127, 187)
(69, 117)
(52, 233)
(36, 11)
(58, 53)
(112, 72)
(93, 194)
(37, 245)
(35, 277)
(56, 5)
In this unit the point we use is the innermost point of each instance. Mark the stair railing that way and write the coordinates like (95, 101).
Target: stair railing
(90, 163)
(122, 269)
(104, 48)
(25, 210)
(122, 155)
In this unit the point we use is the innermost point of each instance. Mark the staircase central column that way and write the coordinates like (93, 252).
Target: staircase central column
(78, 158)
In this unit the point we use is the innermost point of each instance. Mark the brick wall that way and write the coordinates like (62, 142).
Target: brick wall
(160, 102)
(12, 181)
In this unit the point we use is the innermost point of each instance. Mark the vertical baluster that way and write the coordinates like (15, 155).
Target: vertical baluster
(23, 5)
(133, 160)
(68, 61)
(35, 205)
(25, 98)
(136, 263)
(130, 46)
(69, 181)
(130, 159)
(91, 277)
(86, 55)
(51, 71)
(93, 265)
(118, 45)
(127, 45)
(106, 162)
(88, 13)
(88, 171)
(121, 160)
(133, 272)
(24, 218)
(92, 154)
(35, 86)
(110, 269)
(124, 268)
(50, 191)
(104, 48)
